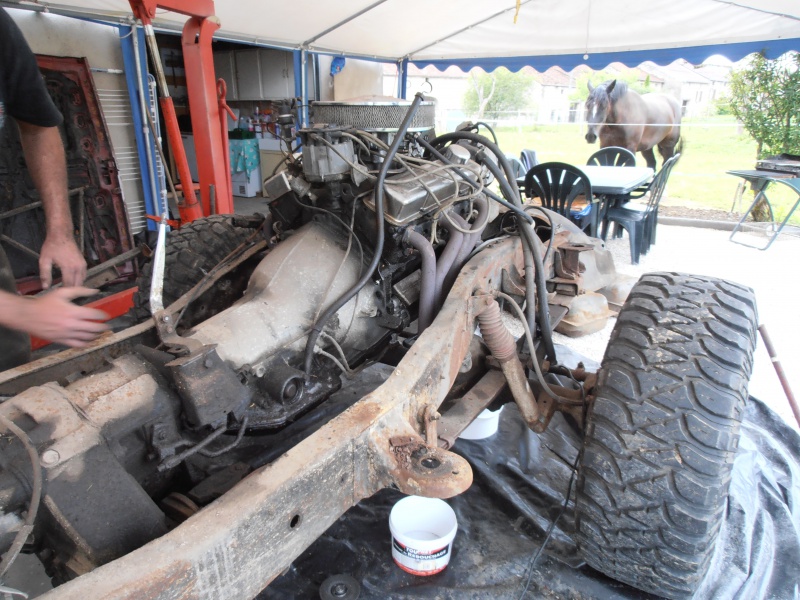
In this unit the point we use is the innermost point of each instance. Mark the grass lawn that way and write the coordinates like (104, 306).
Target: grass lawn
(698, 180)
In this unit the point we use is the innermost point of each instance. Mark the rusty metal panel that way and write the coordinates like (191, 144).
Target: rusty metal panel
(99, 215)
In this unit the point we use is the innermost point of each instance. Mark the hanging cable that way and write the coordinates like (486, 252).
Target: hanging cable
(379, 195)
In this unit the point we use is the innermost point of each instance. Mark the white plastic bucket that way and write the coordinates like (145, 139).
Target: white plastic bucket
(423, 530)
(484, 425)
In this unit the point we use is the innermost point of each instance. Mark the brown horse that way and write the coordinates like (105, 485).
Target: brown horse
(621, 117)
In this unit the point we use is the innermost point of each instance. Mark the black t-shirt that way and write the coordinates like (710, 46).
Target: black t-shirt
(23, 94)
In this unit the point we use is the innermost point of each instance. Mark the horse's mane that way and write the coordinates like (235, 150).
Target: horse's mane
(620, 89)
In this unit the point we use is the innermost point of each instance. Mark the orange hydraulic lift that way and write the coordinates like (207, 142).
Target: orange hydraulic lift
(207, 107)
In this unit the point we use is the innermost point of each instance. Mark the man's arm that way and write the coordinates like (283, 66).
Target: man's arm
(53, 316)
(44, 155)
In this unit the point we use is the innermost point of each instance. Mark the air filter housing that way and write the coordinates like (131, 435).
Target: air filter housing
(375, 113)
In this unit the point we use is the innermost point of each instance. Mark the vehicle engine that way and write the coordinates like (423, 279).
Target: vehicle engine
(371, 224)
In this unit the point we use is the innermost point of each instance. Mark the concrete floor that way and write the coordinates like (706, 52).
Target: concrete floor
(773, 274)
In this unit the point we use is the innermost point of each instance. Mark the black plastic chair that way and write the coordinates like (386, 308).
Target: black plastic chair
(612, 156)
(558, 185)
(528, 159)
(640, 220)
(517, 166)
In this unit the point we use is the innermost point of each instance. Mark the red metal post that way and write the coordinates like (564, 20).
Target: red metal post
(201, 84)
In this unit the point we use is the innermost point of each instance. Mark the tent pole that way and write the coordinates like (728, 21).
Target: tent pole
(402, 78)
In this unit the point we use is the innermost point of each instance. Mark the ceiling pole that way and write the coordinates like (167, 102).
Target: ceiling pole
(352, 17)
(470, 26)
(301, 85)
(402, 78)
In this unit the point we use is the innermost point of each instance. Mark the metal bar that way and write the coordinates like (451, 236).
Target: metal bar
(201, 85)
(468, 27)
(21, 247)
(773, 355)
(37, 204)
(352, 17)
(20, 209)
(139, 80)
(456, 419)
(104, 266)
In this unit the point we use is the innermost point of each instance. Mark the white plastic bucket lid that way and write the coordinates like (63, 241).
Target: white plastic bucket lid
(423, 530)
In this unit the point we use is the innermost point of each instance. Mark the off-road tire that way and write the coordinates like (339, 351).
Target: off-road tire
(191, 252)
(663, 431)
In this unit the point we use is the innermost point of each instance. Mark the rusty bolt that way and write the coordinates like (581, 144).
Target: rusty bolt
(430, 462)
(50, 457)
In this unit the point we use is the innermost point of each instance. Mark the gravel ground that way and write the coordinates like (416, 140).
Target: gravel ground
(771, 273)
(704, 214)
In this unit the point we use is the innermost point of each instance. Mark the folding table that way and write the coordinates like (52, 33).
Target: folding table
(760, 181)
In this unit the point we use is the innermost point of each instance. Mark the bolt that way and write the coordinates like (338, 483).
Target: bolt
(430, 463)
(165, 318)
(339, 590)
(208, 363)
(50, 457)
(290, 391)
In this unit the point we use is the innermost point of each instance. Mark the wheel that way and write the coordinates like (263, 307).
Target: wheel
(663, 430)
(191, 252)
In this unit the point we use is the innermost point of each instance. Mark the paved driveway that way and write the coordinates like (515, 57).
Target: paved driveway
(774, 274)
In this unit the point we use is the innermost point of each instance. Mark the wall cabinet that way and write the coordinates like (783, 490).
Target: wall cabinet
(225, 68)
(259, 73)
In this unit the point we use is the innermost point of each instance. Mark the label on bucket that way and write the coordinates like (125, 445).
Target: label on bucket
(420, 562)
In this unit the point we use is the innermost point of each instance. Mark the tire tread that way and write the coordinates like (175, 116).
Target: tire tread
(663, 431)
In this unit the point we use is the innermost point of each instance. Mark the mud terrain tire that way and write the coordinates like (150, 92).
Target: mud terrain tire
(663, 431)
(191, 252)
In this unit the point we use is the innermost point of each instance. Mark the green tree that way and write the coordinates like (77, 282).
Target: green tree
(765, 97)
(494, 93)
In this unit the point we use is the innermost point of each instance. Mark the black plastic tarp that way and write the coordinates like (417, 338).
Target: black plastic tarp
(520, 482)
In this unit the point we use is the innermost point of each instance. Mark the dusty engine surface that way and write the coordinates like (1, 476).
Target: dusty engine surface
(369, 227)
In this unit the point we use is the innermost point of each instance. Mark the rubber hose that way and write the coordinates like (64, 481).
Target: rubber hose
(467, 244)
(531, 252)
(477, 229)
(447, 257)
(427, 285)
(473, 182)
(316, 329)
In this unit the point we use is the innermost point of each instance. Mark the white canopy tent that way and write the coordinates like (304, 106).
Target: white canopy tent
(468, 33)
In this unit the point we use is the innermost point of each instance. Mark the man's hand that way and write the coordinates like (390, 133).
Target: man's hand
(63, 253)
(54, 317)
